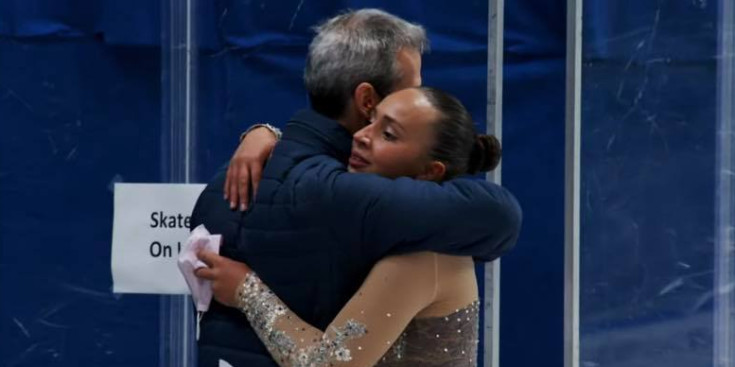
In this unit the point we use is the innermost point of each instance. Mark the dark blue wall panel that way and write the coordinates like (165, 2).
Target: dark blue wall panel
(649, 123)
(532, 275)
(75, 116)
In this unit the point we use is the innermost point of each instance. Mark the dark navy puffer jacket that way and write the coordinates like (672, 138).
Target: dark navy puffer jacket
(314, 231)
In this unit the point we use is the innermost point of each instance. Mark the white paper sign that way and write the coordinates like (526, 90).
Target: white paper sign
(151, 225)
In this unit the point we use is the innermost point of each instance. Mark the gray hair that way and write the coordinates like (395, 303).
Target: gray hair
(356, 47)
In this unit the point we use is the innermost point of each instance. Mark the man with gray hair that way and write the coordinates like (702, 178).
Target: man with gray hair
(374, 48)
(369, 47)
(310, 233)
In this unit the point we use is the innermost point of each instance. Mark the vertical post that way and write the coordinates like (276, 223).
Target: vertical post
(724, 301)
(572, 182)
(491, 303)
(178, 118)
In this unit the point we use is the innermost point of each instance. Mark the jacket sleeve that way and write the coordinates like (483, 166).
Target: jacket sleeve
(460, 217)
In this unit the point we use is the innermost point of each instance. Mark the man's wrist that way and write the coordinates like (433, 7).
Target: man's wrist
(274, 130)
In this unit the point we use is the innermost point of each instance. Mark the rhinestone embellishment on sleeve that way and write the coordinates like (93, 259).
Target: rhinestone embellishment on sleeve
(263, 309)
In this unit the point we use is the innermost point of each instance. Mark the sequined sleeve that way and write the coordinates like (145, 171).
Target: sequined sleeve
(395, 291)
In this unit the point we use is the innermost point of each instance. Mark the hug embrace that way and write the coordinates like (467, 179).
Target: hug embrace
(352, 240)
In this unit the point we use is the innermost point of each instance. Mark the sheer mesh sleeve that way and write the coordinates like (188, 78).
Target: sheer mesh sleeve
(395, 291)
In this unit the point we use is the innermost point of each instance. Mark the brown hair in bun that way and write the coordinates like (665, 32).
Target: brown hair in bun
(486, 153)
(457, 145)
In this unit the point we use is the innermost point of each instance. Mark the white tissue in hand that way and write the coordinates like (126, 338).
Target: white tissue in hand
(201, 289)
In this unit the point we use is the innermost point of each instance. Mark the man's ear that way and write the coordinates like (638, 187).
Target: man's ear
(366, 98)
(434, 171)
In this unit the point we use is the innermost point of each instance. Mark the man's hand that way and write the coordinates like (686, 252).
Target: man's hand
(226, 276)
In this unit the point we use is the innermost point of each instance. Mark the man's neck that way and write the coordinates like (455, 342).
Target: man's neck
(351, 121)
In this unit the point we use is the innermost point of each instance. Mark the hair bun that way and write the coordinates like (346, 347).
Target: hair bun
(486, 153)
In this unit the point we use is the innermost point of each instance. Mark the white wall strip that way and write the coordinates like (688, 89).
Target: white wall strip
(494, 114)
(572, 182)
(724, 302)
(178, 55)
